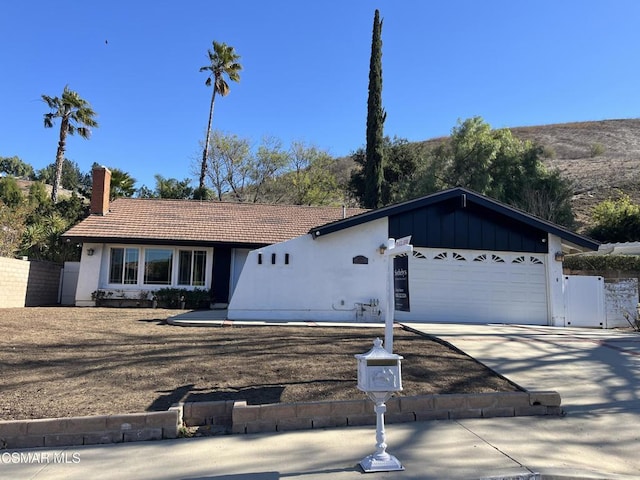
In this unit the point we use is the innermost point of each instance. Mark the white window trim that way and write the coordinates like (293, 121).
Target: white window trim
(141, 263)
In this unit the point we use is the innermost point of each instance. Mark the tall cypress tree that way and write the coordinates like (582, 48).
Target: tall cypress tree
(374, 164)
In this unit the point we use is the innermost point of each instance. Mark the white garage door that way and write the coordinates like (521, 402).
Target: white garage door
(476, 286)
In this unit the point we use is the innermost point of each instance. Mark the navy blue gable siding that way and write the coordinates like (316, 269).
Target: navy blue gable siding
(221, 274)
(449, 224)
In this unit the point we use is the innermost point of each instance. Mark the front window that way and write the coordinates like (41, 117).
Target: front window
(157, 266)
(124, 266)
(192, 267)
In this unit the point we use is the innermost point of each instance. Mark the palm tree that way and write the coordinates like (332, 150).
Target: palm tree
(122, 184)
(223, 60)
(76, 116)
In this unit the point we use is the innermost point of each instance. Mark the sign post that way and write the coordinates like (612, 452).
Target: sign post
(395, 248)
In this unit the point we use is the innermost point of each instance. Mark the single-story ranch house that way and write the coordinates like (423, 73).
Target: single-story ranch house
(139, 245)
(474, 259)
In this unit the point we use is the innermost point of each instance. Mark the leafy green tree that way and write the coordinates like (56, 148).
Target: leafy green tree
(311, 180)
(10, 192)
(38, 194)
(12, 226)
(403, 158)
(76, 116)
(223, 61)
(616, 221)
(16, 167)
(496, 164)
(44, 226)
(270, 160)
(373, 168)
(72, 209)
(71, 178)
(229, 165)
(145, 192)
(548, 196)
(172, 188)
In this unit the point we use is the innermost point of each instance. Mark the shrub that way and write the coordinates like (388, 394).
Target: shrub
(548, 152)
(616, 221)
(173, 297)
(596, 149)
(601, 263)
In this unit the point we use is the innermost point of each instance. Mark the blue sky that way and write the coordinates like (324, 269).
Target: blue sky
(305, 73)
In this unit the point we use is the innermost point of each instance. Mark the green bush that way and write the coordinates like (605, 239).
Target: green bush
(616, 221)
(173, 297)
(601, 263)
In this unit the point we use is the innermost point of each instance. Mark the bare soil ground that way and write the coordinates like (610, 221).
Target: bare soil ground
(64, 361)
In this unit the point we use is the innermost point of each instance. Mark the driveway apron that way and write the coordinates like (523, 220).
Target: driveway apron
(593, 370)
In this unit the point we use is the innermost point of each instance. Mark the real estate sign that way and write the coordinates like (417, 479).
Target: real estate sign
(401, 282)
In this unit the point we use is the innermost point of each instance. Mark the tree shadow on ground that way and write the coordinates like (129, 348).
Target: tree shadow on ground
(254, 395)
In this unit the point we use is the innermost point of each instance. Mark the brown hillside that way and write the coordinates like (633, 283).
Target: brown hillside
(601, 158)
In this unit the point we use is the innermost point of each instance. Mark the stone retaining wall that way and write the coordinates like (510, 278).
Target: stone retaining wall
(238, 417)
(57, 432)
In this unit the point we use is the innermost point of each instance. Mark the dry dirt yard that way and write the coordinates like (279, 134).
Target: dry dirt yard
(62, 361)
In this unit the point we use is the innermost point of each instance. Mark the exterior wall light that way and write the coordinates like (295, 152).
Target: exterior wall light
(90, 252)
(559, 256)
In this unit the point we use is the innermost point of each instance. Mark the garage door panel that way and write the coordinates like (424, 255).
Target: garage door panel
(476, 286)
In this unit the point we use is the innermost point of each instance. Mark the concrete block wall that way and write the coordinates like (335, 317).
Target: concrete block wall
(307, 415)
(57, 432)
(14, 276)
(43, 284)
(28, 283)
(238, 417)
(196, 414)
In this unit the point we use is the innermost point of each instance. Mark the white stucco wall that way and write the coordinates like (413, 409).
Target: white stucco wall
(89, 274)
(319, 283)
(94, 273)
(322, 283)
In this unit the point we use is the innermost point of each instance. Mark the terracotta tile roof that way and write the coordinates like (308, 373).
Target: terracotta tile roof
(189, 221)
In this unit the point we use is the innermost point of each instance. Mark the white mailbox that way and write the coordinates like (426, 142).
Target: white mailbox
(379, 370)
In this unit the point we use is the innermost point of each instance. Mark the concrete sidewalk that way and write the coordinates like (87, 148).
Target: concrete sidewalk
(465, 449)
(597, 373)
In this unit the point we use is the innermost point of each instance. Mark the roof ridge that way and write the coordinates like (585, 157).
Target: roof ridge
(226, 202)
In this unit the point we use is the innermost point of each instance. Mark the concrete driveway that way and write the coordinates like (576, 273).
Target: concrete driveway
(596, 372)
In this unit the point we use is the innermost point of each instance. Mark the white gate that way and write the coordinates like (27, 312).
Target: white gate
(584, 301)
(69, 283)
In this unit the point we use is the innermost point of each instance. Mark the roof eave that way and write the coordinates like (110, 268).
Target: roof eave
(162, 241)
(511, 212)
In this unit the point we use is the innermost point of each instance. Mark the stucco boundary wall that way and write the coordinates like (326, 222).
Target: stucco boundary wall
(26, 283)
(235, 416)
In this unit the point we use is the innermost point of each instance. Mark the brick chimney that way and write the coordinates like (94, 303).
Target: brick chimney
(100, 191)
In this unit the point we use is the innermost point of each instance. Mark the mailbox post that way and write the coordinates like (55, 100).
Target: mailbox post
(379, 376)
